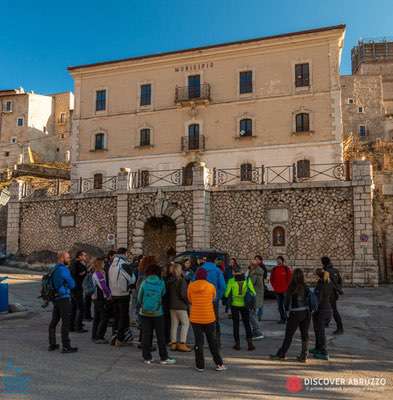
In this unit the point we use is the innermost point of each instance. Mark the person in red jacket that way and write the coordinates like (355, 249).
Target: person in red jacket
(280, 278)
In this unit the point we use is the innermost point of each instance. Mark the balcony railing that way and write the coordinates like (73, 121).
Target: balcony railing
(149, 178)
(193, 143)
(200, 93)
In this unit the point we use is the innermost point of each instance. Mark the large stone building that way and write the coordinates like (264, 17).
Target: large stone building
(34, 127)
(261, 102)
(367, 94)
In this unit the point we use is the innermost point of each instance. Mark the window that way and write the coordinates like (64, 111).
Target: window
(62, 118)
(145, 178)
(145, 95)
(193, 137)
(144, 137)
(19, 122)
(360, 110)
(97, 181)
(6, 154)
(194, 86)
(362, 131)
(245, 82)
(350, 101)
(245, 127)
(188, 172)
(302, 75)
(13, 140)
(99, 143)
(303, 169)
(278, 236)
(302, 122)
(246, 172)
(7, 106)
(101, 100)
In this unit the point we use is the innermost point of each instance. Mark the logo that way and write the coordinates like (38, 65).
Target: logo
(13, 382)
(294, 384)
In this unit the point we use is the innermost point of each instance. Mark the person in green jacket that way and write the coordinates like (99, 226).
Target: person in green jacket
(235, 293)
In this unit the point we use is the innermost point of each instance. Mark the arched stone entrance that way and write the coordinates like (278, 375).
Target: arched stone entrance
(162, 209)
(159, 238)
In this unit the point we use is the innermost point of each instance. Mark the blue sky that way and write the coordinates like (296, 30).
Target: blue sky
(40, 38)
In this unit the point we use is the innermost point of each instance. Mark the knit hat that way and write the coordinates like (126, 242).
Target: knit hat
(201, 274)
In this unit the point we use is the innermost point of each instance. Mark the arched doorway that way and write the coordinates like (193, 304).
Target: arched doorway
(159, 238)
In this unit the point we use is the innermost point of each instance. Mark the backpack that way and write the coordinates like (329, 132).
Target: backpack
(88, 285)
(48, 290)
(152, 298)
(249, 298)
(312, 301)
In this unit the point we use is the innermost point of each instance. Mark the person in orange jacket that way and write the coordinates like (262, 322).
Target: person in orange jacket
(201, 295)
(280, 278)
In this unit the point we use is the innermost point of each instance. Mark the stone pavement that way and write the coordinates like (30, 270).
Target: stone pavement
(102, 372)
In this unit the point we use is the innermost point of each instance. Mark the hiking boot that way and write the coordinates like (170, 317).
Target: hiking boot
(236, 346)
(173, 346)
(183, 348)
(277, 357)
(53, 347)
(338, 331)
(69, 349)
(321, 356)
(168, 361)
(250, 345)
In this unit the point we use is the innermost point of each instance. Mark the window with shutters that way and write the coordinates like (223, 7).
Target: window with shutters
(302, 75)
(245, 127)
(99, 141)
(145, 95)
(303, 169)
(101, 100)
(97, 181)
(246, 172)
(145, 137)
(278, 236)
(245, 82)
(302, 122)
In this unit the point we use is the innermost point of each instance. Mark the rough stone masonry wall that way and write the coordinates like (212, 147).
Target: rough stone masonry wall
(318, 222)
(3, 227)
(40, 223)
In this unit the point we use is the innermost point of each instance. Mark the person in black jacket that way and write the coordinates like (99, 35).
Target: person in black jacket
(298, 307)
(78, 272)
(324, 291)
(336, 280)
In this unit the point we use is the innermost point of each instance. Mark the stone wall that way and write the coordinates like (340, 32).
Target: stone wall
(3, 227)
(95, 218)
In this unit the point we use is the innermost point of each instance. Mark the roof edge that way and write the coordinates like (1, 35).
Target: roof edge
(147, 56)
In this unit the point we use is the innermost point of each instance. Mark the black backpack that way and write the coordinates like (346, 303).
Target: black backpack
(48, 291)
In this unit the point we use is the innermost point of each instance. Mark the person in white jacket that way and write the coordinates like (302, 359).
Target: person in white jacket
(119, 283)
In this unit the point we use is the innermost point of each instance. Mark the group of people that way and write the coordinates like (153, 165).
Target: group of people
(162, 299)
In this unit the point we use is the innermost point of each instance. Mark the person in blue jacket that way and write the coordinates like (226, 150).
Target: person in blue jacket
(63, 283)
(216, 278)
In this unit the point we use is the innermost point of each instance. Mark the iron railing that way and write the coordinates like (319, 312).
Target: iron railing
(193, 143)
(148, 178)
(192, 93)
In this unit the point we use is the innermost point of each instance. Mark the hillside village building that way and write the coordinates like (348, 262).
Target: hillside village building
(34, 127)
(272, 101)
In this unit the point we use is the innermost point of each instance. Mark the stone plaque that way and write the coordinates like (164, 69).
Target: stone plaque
(67, 221)
(277, 215)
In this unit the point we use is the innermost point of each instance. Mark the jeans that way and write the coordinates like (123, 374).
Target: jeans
(297, 319)
(121, 308)
(100, 320)
(61, 311)
(280, 302)
(87, 307)
(149, 325)
(255, 328)
(336, 315)
(210, 331)
(179, 317)
(260, 313)
(245, 314)
(77, 310)
(320, 319)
